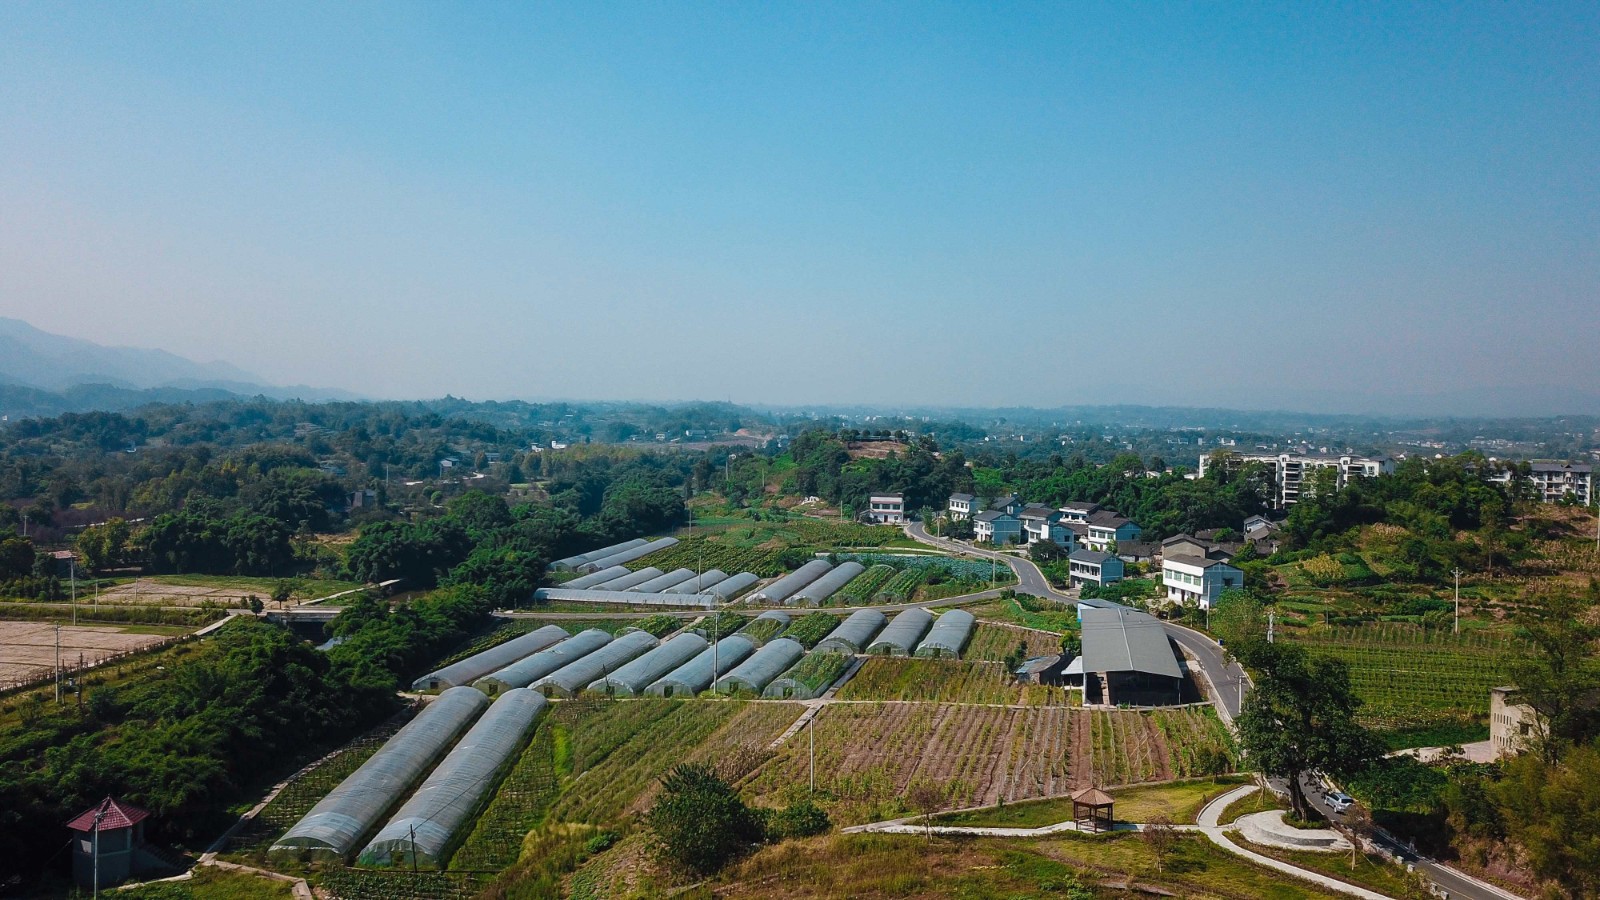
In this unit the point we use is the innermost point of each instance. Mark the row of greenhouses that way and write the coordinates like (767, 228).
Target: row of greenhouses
(651, 586)
(424, 830)
(864, 578)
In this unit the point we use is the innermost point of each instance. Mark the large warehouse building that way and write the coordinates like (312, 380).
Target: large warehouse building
(1128, 659)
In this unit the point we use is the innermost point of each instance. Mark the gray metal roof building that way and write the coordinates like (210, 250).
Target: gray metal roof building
(948, 637)
(662, 582)
(594, 579)
(626, 556)
(903, 633)
(526, 671)
(623, 581)
(572, 562)
(697, 674)
(573, 677)
(631, 679)
(829, 584)
(855, 634)
(699, 583)
(491, 660)
(350, 810)
(755, 673)
(421, 833)
(785, 587)
(1128, 658)
(734, 586)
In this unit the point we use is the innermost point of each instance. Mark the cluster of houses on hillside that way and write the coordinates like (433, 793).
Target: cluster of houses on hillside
(1294, 474)
(1100, 542)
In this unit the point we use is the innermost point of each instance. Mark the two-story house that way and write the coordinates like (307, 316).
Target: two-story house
(963, 506)
(1093, 568)
(997, 527)
(1105, 528)
(1079, 511)
(1196, 580)
(886, 509)
(1041, 523)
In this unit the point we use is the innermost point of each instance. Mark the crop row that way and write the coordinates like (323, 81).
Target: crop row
(818, 670)
(809, 629)
(702, 554)
(946, 681)
(959, 569)
(901, 586)
(520, 804)
(996, 642)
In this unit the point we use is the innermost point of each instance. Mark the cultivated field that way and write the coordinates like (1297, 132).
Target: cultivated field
(28, 649)
(993, 641)
(1411, 678)
(949, 681)
(208, 590)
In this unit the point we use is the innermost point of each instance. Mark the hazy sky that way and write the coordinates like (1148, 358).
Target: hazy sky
(1296, 204)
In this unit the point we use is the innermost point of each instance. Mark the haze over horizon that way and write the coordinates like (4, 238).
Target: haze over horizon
(1314, 208)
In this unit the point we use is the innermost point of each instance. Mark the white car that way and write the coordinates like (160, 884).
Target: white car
(1339, 801)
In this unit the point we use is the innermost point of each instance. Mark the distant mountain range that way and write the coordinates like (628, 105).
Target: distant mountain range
(44, 374)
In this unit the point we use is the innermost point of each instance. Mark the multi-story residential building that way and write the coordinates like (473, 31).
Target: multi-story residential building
(1093, 568)
(1554, 481)
(1196, 580)
(1046, 524)
(997, 527)
(1513, 727)
(1295, 473)
(1105, 528)
(963, 506)
(886, 509)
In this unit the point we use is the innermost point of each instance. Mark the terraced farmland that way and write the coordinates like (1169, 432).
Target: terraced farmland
(991, 641)
(1408, 678)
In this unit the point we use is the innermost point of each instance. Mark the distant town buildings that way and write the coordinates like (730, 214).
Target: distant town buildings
(1294, 473)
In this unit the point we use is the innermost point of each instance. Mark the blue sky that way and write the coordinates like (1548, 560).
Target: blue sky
(1299, 205)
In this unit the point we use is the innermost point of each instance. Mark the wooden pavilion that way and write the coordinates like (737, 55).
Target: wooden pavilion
(1087, 808)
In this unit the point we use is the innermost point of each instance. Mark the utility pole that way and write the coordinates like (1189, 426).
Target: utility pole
(58, 664)
(1457, 573)
(413, 830)
(1272, 621)
(98, 815)
(72, 572)
(811, 727)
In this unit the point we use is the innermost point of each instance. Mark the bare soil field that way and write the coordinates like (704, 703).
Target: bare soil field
(28, 649)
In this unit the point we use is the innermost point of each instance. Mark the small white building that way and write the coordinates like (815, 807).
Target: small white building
(1512, 725)
(1078, 512)
(886, 509)
(1196, 580)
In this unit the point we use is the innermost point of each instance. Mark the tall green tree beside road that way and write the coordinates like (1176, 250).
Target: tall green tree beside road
(1301, 717)
(1560, 679)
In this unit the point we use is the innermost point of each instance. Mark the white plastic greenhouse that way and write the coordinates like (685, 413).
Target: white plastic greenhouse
(949, 635)
(421, 832)
(699, 583)
(697, 674)
(568, 680)
(339, 820)
(632, 679)
(829, 584)
(595, 579)
(572, 562)
(491, 660)
(734, 586)
(905, 631)
(662, 582)
(526, 671)
(626, 556)
(752, 630)
(855, 635)
(623, 582)
(755, 673)
(785, 587)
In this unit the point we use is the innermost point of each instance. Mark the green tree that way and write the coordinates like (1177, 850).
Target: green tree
(1301, 717)
(698, 823)
(1560, 679)
(105, 545)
